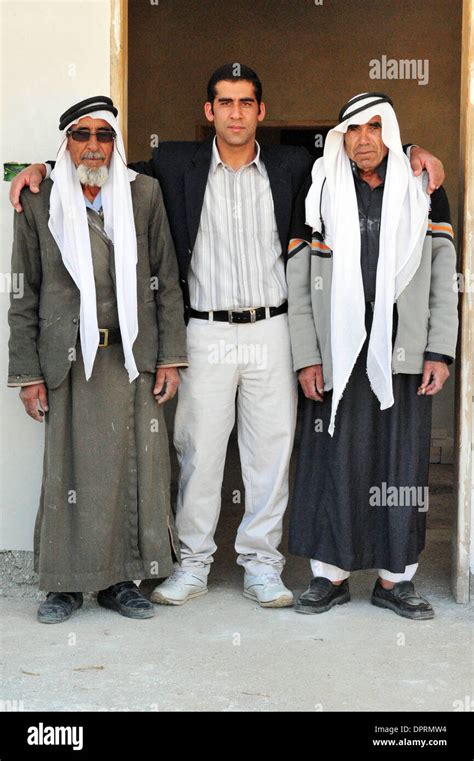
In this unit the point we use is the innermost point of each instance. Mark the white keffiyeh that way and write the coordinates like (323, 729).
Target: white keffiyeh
(402, 231)
(68, 225)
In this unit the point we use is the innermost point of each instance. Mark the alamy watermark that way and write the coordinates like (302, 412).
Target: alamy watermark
(399, 496)
(222, 353)
(48, 735)
(12, 282)
(404, 68)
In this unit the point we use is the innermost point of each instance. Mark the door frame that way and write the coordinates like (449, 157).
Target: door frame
(461, 537)
(119, 62)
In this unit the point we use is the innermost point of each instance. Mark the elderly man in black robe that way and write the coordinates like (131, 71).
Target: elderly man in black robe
(373, 325)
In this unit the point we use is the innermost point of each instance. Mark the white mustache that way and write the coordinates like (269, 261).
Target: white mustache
(92, 155)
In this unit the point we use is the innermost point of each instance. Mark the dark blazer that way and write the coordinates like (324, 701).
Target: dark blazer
(182, 169)
(44, 322)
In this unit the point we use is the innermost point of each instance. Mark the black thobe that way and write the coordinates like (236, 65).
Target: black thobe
(332, 519)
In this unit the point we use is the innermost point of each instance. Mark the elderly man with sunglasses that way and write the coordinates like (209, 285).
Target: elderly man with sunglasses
(95, 343)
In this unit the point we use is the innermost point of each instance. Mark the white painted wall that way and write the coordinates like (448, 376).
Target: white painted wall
(53, 53)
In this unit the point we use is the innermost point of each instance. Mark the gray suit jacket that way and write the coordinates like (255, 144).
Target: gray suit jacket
(44, 321)
(427, 308)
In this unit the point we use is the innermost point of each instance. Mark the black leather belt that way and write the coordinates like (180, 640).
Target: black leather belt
(109, 336)
(247, 315)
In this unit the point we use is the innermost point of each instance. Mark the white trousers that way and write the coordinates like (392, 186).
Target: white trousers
(254, 361)
(333, 573)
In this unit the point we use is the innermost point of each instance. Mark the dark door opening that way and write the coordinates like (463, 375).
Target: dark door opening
(309, 136)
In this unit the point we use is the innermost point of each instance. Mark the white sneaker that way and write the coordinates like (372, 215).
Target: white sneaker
(268, 590)
(181, 586)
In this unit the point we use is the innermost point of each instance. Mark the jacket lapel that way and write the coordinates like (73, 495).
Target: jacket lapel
(280, 185)
(195, 180)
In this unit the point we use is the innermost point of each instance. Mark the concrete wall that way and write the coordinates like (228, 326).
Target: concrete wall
(52, 55)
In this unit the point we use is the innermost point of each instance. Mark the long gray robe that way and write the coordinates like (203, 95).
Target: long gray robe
(104, 512)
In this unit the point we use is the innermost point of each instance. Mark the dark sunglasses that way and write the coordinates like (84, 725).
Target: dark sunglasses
(83, 135)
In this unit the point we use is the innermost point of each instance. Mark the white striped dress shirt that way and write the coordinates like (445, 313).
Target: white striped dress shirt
(237, 259)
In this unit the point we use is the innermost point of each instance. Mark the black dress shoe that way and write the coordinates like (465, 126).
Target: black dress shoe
(403, 599)
(126, 598)
(321, 595)
(59, 606)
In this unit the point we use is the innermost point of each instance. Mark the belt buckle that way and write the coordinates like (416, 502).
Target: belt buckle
(252, 312)
(105, 333)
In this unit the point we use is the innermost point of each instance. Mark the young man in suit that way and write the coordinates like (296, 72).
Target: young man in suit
(229, 203)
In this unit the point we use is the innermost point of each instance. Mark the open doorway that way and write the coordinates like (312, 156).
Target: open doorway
(165, 102)
(310, 135)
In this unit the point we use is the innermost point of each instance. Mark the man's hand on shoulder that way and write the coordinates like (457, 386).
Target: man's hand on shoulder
(421, 159)
(31, 177)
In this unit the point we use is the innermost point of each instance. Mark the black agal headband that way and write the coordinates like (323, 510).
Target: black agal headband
(346, 113)
(87, 106)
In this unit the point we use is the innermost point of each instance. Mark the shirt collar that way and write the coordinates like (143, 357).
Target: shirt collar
(217, 161)
(96, 204)
(381, 169)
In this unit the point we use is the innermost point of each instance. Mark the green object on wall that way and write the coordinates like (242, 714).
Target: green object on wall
(11, 169)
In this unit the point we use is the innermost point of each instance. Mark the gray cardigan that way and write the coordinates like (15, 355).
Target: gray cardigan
(44, 322)
(427, 308)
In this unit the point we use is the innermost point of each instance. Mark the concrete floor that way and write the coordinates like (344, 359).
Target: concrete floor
(222, 652)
